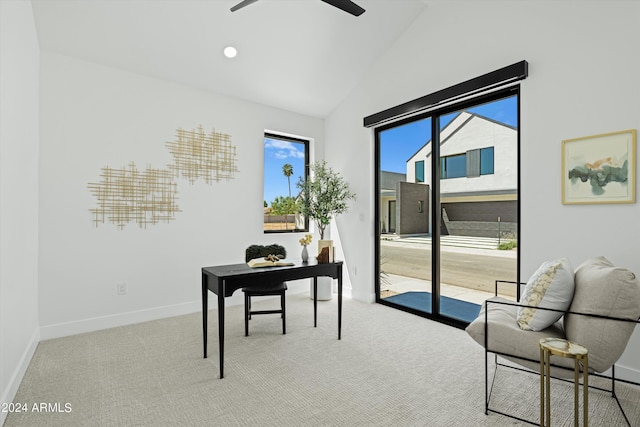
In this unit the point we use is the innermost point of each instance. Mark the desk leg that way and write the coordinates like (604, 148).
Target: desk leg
(221, 291)
(340, 304)
(315, 301)
(205, 311)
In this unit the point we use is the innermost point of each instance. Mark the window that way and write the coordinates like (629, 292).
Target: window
(471, 164)
(454, 166)
(486, 161)
(420, 171)
(286, 161)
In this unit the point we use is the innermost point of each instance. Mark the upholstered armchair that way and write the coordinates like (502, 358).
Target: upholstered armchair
(601, 313)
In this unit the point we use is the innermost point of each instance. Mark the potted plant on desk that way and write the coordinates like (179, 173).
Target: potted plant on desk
(323, 195)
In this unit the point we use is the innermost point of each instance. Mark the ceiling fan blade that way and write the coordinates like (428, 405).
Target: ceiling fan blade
(242, 4)
(346, 5)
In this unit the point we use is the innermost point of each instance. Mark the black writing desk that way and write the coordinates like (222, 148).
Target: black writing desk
(224, 280)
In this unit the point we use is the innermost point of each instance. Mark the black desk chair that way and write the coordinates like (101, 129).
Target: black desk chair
(257, 251)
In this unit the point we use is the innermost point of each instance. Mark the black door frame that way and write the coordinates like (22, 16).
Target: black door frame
(436, 214)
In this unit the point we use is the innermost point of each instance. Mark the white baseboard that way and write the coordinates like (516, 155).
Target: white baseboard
(16, 378)
(122, 319)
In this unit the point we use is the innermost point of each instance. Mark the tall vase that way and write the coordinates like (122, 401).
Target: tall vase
(305, 254)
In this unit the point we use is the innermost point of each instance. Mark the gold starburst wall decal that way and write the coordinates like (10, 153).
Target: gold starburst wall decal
(197, 154)
(127, 195)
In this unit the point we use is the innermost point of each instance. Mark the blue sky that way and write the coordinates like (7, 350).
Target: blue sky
(398, 144)
(276, 153)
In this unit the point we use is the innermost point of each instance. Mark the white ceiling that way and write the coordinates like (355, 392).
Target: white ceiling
(299, 55)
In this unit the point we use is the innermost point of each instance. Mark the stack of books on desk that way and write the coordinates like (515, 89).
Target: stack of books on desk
(268, 262)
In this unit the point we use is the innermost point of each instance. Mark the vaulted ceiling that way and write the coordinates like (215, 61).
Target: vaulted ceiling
(299, 55)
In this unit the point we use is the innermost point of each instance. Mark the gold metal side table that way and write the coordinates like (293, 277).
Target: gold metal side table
(563, 348)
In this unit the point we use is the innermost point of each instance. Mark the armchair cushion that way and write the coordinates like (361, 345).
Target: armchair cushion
(603, 289)
(551, 286)
(504, 335)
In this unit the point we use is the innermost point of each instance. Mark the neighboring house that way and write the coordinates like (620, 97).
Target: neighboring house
(478, 180)
(389, 182)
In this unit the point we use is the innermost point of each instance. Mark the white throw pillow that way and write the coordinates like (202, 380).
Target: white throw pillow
(551, 286)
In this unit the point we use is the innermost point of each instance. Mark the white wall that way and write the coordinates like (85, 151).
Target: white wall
(583, 61)
(19, 57)
(94, 116)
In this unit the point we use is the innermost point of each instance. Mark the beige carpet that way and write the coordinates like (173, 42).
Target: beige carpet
(390, 369)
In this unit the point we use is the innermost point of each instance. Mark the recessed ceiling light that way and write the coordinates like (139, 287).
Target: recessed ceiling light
(230, 52)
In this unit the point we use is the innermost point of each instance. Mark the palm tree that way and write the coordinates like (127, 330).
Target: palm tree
(287, 170)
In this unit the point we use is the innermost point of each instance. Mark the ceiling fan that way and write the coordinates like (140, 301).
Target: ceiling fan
(346, 5)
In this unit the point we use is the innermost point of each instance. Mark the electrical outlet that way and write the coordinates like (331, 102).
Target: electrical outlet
(122, 288)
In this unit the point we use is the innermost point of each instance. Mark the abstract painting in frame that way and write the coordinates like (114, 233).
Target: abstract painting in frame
(599, 168)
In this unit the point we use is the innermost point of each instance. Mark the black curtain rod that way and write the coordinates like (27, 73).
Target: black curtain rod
(508, 74)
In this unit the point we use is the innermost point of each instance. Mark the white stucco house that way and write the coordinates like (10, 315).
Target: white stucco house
(478, 181)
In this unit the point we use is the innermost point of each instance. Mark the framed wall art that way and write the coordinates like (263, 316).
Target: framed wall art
(599, 168)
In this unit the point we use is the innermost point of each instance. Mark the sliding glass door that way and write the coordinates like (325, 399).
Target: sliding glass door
(404, 228)
(447, 207)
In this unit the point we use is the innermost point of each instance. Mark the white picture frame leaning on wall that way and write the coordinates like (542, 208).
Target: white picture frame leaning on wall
(599, 168)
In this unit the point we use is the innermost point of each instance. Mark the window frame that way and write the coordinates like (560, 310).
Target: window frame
(443, 166)
(421, 163)
(493, 161)
(435, 204)
(293, 139)
(483, 167)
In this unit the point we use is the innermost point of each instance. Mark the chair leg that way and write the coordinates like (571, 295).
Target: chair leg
(486, 363)
(613, 381)
(247, 301)
(284, 316)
